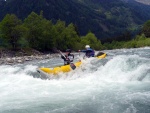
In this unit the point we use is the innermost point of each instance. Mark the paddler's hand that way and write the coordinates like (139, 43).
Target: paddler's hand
(79, 50)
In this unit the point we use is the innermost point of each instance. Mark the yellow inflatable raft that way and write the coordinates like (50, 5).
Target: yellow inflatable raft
(65, 68)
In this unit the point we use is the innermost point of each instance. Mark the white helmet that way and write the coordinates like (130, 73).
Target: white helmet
(87, 46)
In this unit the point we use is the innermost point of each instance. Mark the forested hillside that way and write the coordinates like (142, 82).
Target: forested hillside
(105, 18)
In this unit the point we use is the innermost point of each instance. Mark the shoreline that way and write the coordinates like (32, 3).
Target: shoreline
(22, 59)
(10, 57)
(9, 60)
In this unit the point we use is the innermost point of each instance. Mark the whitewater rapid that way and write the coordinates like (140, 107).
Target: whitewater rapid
(117, 84)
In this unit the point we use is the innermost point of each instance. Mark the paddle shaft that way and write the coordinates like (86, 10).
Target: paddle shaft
(71, 64)
(62, 53)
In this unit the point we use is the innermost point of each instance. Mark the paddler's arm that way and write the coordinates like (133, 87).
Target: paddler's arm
(82, 51)
(63, 57)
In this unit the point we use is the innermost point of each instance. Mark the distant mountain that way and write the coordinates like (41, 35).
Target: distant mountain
(147, 2)
(140, 11)
(105, 18)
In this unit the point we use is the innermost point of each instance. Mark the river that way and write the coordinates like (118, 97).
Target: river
(120, 83)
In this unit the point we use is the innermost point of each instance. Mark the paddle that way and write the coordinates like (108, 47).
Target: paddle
(71, 64)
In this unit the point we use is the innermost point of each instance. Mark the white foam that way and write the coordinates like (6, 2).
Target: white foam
(108, 83)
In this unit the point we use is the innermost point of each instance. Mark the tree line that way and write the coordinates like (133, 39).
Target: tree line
(41, 34)
(142, 39)
(44, 35)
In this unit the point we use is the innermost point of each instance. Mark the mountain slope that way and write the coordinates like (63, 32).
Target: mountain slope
(105, 18)
(147, 2)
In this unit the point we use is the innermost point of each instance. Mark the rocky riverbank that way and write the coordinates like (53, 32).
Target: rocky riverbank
(8, 57)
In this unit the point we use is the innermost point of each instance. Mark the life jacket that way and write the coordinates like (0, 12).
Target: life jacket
(90, 53)
(68, 59)
(71, 57)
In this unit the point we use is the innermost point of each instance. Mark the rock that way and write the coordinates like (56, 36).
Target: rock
(9, 63)
(9, 60)
(1, 62)
(26, 59)
(20, 61)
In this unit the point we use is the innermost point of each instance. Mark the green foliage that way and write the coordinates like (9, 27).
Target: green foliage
(105, 18)
(39, 33)
(71, 36)
(107, 45)
(12, 30)
(66, 37)
(91, 40)
(42, 34)
(23, 43)
(59, 39)
(146, 29)
(139, 41)
(140, 37)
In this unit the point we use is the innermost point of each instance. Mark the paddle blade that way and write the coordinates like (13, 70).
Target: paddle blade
(72, 66)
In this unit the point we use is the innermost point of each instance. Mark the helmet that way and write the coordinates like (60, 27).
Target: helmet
(68, 50)
(87, 46)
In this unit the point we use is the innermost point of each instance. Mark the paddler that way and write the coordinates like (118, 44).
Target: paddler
(88, 52)
(68, 57)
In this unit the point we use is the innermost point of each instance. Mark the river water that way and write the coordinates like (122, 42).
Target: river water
(120, 83)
